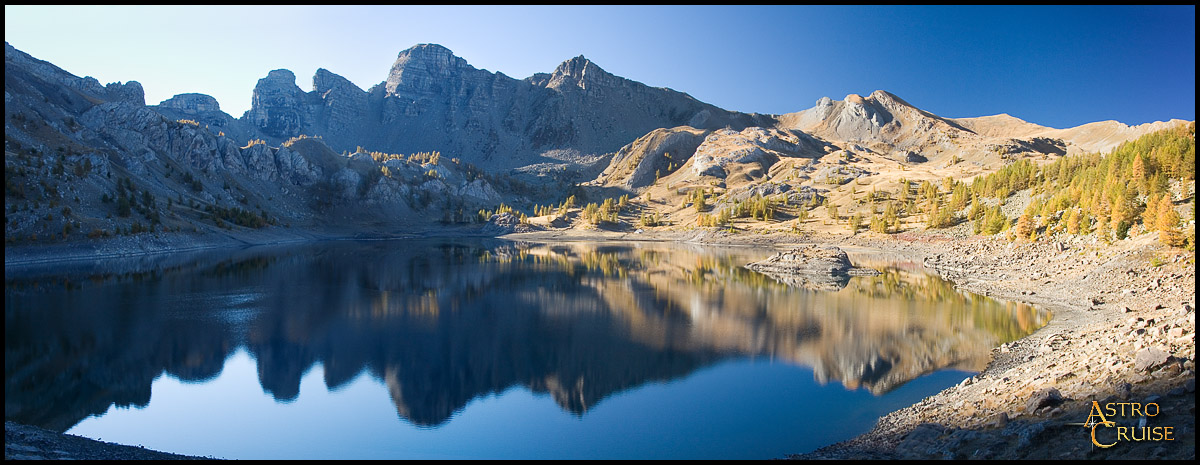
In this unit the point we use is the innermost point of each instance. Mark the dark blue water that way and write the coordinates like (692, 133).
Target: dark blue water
(480, 349)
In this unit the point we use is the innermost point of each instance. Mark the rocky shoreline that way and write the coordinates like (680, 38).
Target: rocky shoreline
(24, 442)
(1123, 330)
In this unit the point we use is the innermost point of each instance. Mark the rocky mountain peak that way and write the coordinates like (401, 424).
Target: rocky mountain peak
(277, 88)
(890, 100)
(574, 66)
(280, 76)
(276, 104)
(580, 72)
(325, 80)
(130, 91)
(424, 68)
(883, 95)
(20, 62)
(879, 117)
(279, 84)
(427, 51)
(192, 103)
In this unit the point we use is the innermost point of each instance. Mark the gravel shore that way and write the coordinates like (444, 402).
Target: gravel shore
(24, 442)
(1123, 330)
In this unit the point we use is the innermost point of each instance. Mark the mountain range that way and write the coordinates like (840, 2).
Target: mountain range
(438, 140)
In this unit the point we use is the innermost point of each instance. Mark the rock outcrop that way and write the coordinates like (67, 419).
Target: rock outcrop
(205, 110)
(278, 107)
(807, 260)
(192, 104)
(659, 153)
(812, 267)
(756, 145)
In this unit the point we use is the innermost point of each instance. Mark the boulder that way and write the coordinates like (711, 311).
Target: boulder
(1149, 358)
(1047, 397)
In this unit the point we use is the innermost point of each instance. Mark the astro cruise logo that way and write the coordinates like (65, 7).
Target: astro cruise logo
(1106, 432)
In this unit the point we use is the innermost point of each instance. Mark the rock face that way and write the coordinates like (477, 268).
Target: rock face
(339, 105)
(752, 145)
(23, 66)
(278, 107)
(128, 92)
(659, 153)
(192, 163)
(191, 103)
(205, 110)
(433, 100)
(741, 156)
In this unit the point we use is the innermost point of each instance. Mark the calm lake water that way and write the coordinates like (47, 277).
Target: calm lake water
(481, 349)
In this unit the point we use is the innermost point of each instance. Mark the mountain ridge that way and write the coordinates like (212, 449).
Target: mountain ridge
(434, 100)
(441, 143)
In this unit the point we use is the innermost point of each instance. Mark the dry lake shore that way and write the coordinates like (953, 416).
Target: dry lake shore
(1123, 330)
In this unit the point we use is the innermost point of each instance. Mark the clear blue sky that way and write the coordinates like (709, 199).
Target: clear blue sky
(1055, 66)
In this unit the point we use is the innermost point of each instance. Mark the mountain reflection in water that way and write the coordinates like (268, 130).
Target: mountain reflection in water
(441, 323)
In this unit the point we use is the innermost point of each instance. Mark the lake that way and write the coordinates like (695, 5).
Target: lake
(459, 349)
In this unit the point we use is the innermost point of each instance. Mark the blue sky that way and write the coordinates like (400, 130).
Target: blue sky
(1055, 66)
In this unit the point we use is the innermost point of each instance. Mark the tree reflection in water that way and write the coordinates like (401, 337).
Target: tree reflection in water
(443, 322)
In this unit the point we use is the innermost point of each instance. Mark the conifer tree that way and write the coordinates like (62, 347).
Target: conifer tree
(891, 218)
(1168, 224)
(1138, 172)
(1150, 214)
(1103, 231)
(1024, 226)
(1073, 221)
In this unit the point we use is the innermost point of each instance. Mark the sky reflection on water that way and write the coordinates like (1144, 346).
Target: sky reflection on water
(481, 349)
